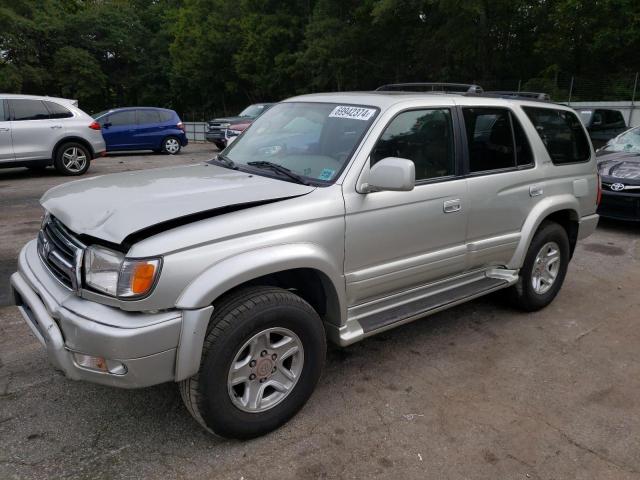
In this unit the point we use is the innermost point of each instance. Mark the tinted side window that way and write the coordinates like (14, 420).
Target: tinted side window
(165, 116)
(491, 143)
(57, 111)
(614, 118)
(561, 133)
(123, 118)
(423, 136)
(28, 110)
(148, 116)
(524, 155)
(2, 116)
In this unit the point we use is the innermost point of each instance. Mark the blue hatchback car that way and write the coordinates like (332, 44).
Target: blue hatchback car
(142, 128)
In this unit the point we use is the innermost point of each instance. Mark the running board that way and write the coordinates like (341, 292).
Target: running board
(367, 319)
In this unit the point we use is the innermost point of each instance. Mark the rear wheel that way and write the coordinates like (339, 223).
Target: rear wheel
(171, 145)
(72, 159)
(261, 360)
(220, 146)
(544, 268)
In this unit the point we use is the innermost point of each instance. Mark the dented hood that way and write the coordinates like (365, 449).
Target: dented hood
(113, 207)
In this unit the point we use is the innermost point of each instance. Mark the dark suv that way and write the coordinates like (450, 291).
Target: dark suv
(220, 130)
(602, 124)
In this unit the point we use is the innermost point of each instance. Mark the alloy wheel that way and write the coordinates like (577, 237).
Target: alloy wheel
(74, 159)
(265, 370)
(545, 268)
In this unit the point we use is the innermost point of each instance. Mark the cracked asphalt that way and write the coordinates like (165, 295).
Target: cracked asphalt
(477, 392)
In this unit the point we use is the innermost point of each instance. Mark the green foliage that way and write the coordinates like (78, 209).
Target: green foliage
(213, 56)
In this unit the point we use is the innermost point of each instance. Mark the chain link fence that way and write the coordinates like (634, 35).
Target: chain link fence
(618, 92)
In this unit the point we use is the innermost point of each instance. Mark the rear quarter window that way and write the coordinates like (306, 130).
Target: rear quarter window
(57, 111)
(165, 116)
(561, 133)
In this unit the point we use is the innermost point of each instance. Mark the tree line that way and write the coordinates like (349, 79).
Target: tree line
(218, 55)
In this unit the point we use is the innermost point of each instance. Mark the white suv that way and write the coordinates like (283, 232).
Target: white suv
(36, 132)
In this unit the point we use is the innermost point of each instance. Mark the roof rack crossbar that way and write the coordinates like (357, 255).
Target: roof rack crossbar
(431, 87)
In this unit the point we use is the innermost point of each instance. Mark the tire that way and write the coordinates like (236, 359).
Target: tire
(220, 146)
(72, 159)
(533, 292)
(171, 145)
(261, 315)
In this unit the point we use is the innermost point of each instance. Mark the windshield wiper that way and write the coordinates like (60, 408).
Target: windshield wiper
(280, 169)
(225, 161)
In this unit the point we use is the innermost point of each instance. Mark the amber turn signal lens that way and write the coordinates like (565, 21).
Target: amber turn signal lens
(142, 278)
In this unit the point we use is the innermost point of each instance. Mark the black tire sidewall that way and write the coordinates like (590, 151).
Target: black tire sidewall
(59, 164)
(551, 232)
(218, 411)
(164, 144)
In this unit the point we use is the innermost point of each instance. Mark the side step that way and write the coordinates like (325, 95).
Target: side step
(430, 304)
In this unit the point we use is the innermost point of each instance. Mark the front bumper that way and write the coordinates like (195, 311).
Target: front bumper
(216, 136)
(620, 206)
(148, 345)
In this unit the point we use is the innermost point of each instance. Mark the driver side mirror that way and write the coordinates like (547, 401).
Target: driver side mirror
(106, 124)
(392, 174)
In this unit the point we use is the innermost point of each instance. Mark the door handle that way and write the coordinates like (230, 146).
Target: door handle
(451, 206)
(56, 126)
(4, 129)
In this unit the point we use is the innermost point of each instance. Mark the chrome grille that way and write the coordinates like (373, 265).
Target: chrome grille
(61, 253)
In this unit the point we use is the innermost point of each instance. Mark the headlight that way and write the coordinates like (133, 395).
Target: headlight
(233, 133)
(109, 272)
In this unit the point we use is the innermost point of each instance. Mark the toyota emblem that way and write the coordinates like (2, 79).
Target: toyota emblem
(617, 187)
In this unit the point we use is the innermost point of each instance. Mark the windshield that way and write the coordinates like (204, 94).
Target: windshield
(629, 141)
(252, 111)
(313, 140)
(585, 116)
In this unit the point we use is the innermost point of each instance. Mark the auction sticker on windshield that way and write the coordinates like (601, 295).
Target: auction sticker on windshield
(352, 113)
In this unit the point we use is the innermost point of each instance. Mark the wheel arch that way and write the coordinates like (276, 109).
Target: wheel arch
(562, 210)
(72, 139)
(303, 268)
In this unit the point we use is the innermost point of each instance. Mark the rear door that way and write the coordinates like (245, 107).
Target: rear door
(149, 131)
(33, 133)
(118, 130)
(501, 178)
(6, 145)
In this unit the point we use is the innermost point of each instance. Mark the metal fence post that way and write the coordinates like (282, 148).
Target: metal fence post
(633, 99)
(570, 91)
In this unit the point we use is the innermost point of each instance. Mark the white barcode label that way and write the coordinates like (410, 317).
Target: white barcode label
(352, 113)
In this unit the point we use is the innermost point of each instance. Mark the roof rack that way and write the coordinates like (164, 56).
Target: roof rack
(431, 87)
(529, 95)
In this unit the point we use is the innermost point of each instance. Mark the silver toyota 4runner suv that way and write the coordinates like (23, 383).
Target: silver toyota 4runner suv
(333, 216)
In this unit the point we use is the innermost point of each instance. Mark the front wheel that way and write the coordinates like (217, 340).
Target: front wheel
(544, 268)
(171, 145)
(261, 360)
(72, 159)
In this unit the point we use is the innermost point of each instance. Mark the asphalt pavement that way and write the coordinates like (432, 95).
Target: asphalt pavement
(477, 392)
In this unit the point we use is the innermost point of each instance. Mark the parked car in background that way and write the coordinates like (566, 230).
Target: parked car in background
(220, 130)
(619, 168)
(602, 124)
(142, 128)
(36, 132)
